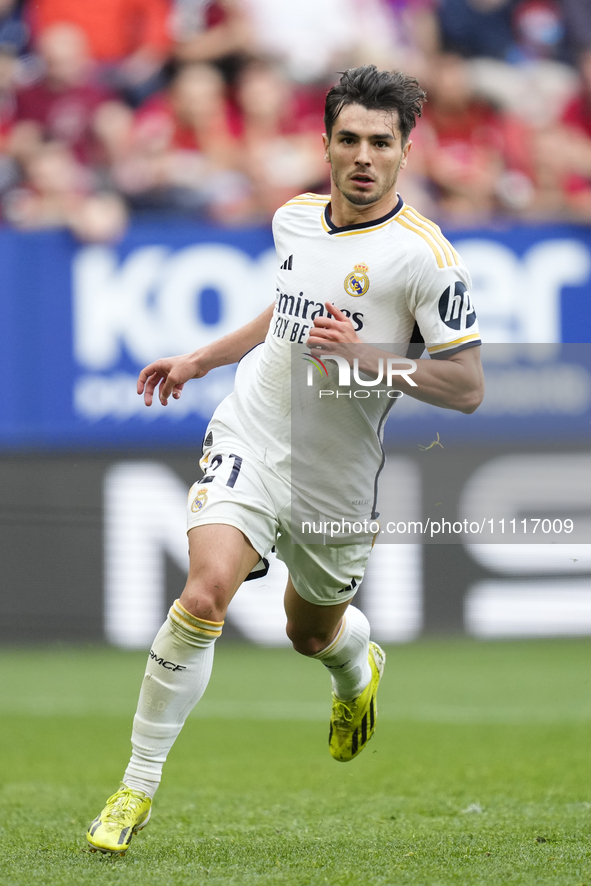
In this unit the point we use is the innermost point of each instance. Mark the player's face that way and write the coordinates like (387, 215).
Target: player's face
(366, 154)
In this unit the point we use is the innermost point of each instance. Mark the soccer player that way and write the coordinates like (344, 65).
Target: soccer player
(358, 266)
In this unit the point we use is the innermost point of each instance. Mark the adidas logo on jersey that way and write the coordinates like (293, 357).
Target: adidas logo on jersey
(287, 264)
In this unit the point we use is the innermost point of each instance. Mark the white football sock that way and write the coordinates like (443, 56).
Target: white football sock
(346, 657)
(177, 674)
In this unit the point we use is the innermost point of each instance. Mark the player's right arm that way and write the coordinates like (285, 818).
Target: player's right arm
(171, 373)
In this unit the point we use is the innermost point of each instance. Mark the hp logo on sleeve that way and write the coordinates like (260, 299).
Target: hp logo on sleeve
(456, 308)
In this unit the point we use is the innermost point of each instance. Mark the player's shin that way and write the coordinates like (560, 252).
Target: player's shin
(346, 657)
(177, 674)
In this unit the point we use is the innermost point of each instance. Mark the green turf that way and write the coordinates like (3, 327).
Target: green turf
(478, 773)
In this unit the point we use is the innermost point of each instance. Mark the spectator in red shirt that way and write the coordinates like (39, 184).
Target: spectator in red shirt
(62, 104)
(57, 192)
(9, 171)
(185, 153)
(282, 149)
(468, 146)
(128, 38)
(577, 113)
(196, 109)
(215, 31)
(576, 143)
(7, 92)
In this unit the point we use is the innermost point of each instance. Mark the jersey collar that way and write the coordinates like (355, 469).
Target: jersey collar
(331, 228)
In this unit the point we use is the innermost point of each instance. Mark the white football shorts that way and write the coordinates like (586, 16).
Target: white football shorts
(239, 490)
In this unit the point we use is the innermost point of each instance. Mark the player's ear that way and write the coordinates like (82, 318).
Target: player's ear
(326, 142)
(405, 153)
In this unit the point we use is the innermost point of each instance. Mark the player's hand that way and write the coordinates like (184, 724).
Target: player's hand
(332, 330)
(332, 335)
(170, 373)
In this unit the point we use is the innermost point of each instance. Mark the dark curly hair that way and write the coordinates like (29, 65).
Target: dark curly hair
(376, 91)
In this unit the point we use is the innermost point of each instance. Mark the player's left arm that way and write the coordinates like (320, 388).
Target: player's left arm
(455, 382)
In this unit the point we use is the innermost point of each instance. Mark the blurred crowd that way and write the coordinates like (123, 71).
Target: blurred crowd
(213, 109)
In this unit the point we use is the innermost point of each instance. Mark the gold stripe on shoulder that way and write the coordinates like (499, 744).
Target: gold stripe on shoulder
(435, 248)
(321, 198)
(442, 237)
(303, 203)
(316, 203)
(450, 253)
(453, 344)
(435, 232)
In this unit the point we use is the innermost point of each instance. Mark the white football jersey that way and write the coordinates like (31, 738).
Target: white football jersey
(399, 281)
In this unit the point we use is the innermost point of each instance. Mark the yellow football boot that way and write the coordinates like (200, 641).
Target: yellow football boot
(352, 723)
(126, 813)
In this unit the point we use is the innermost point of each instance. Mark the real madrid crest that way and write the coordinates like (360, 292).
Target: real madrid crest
(199, 501)
(357, 282)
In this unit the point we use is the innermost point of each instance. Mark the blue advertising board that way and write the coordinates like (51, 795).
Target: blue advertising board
(78, 322)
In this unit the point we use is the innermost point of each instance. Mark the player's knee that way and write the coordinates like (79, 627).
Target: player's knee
(305, 642)
(207, 599)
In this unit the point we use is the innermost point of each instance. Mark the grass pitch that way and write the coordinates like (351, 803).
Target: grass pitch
(478, 772)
